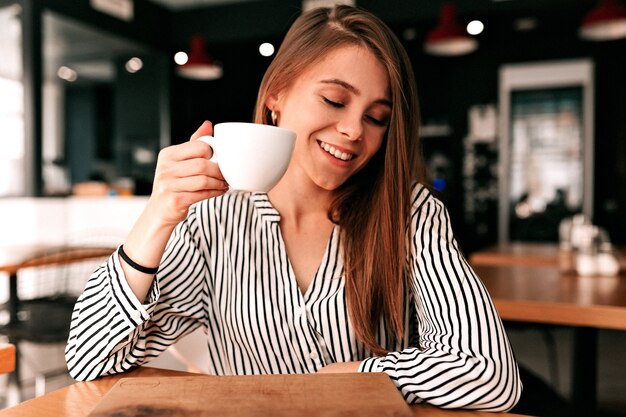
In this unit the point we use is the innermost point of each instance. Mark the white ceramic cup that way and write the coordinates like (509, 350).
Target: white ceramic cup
(252, 157)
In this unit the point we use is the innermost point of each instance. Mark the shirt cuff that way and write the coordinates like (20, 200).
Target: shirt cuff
(132, 309)
(374, 364)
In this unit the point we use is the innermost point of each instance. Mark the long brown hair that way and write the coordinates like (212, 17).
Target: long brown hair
(372, 207)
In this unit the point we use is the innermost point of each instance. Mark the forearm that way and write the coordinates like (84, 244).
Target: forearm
(145, 245)
(106, 318)
(184, 176)
(451, 379)
(463, 358)
(112, 330)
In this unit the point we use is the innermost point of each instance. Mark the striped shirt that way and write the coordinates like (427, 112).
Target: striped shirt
(225, 269)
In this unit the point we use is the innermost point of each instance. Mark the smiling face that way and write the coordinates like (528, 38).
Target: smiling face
(340, 110)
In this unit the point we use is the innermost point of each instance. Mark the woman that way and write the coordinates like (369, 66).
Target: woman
(346, 265)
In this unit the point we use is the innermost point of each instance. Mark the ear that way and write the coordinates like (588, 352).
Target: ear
(274, 102)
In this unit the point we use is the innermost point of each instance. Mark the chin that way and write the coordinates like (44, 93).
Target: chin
(329, 185)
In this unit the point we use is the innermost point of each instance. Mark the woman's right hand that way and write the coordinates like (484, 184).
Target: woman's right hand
(184, 175)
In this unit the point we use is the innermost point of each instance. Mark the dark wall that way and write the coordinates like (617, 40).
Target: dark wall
(231, 98)
(81, 131)
(139, 103)
(610, 140)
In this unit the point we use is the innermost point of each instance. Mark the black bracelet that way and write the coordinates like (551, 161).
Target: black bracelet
(135, 265)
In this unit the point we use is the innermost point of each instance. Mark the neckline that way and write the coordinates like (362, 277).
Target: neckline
(268, 213)
(321, 273)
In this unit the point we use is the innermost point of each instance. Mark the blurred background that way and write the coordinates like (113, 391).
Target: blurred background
(523, 113)
(89, 91)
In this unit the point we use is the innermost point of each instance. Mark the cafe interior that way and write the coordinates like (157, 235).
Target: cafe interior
(523, 129)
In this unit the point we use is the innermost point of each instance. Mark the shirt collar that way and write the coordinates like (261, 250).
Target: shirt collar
(264, 207)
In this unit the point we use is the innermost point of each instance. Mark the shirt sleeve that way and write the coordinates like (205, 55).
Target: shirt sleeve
(112, 331)
(463, 358)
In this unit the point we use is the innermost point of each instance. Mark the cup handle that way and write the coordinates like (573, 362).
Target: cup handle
(210, 140)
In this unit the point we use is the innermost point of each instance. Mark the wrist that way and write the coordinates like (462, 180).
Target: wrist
(160, 216)
(150, 270)
(146, 242)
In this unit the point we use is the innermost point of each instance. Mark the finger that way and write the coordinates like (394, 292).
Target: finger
(191, 167)
(206, 129)
(184, 151)
(197, 183)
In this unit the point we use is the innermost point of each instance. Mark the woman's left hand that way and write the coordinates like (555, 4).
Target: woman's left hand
(340, 367)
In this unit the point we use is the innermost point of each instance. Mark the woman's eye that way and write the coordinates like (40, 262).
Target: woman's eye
(376, 121)
(333, 103)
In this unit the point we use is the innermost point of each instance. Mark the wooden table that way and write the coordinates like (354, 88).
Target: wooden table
(518, 253)
(79, 399)
(541, 294)
(15, 258)
(527, 286)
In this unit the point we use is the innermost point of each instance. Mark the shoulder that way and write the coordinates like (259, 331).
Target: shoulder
(420, 196)
(426, 207)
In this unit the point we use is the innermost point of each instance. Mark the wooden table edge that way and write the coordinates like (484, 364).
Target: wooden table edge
(604, 317)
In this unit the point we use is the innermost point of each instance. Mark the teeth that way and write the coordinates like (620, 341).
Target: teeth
(335, 152)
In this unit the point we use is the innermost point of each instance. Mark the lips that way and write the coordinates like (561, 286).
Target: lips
(341, 155)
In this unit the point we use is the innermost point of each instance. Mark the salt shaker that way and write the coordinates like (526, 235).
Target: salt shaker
(586, 262)
(606, 262)
(566, 250)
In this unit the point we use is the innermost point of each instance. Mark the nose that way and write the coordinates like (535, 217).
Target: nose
(351, 126)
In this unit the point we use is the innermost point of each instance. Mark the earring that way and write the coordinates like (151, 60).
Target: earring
(274, 117)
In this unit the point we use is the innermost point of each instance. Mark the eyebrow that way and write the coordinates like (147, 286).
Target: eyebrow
(354, 90)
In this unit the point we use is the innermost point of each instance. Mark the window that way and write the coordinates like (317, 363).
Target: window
(546, 147)
(11, 103)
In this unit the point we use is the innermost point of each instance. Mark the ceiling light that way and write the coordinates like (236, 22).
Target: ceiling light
(606, 21)
(199, 66)
(449, 38)
(266, 49)
(134, 64)
(475, 27)
(181, 58)
(67, 74)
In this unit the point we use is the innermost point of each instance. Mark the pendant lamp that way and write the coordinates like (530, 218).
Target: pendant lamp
(605, 22)
(449, 38)
(199, 65)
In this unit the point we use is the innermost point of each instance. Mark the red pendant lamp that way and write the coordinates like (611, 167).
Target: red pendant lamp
(605, 22)
(449, 38)
(200, 65)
